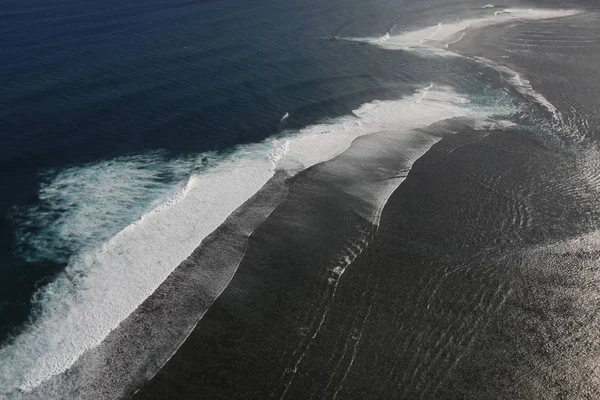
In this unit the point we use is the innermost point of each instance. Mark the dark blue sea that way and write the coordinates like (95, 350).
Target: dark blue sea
(86, 83)
(176, 170)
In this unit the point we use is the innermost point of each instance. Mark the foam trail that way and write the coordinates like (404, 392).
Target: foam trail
(322, 142)
(521, 84)
(81, 207)
(285, 116)
(443, 34)
(436, 40)
(103, 285)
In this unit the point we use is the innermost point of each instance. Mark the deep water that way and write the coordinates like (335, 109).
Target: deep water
(113, 112)
(85, 83)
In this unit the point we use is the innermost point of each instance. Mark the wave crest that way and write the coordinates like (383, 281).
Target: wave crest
(113, 269)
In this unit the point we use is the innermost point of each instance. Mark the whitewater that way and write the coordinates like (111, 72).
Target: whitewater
(105, 283)
(443, 34)
(133, 220)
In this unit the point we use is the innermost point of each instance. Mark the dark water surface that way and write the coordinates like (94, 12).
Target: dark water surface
(480, 281)
(477, 280)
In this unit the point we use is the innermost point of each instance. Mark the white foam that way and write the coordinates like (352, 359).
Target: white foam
(445, 33)
(83, 206)
(321, 142)
(490, 124)
(522, 85)
(383, 38)
(436, 40)
(104, 284)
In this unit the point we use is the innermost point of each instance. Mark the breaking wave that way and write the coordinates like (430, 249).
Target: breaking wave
(443, 34)
(124, 225)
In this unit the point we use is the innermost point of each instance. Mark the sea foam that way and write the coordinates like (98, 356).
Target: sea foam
(111, 273)
(436, 39)
(446, 33)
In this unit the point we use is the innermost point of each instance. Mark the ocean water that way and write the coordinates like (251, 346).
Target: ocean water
(143, 144)
(130, 101)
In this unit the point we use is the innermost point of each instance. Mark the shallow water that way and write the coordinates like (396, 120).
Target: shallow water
(167, 118)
